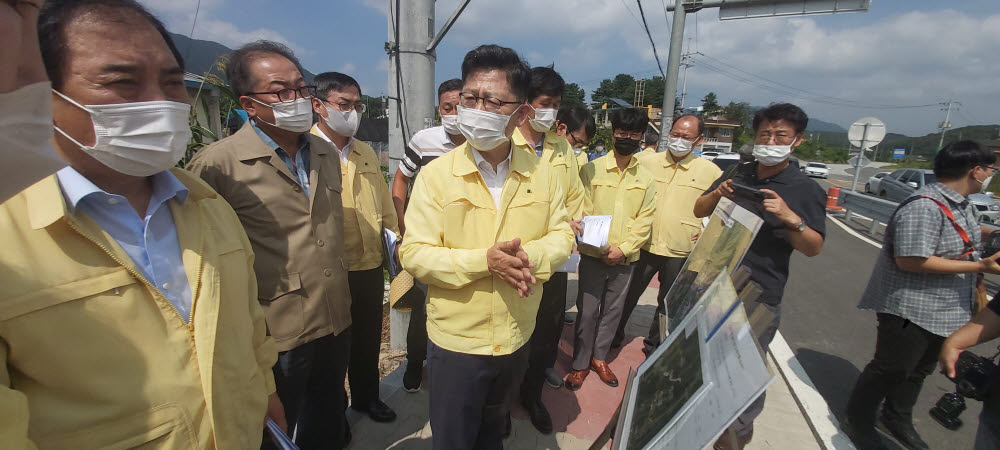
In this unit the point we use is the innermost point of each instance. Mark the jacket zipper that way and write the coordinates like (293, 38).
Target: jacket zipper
(134, 273)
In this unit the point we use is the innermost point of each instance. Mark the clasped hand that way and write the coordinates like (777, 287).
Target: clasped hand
(509, 262)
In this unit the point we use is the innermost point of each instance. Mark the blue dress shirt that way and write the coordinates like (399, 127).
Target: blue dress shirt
(151, 241)
(300, 166)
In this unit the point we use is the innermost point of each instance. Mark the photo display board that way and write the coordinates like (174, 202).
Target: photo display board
(694, 386)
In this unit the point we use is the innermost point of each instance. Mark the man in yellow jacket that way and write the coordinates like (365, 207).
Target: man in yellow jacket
(368, 209)
(576, 125)
(535, 135)
(485, 223)
(128, 311)
(618, 186)
(681, 177)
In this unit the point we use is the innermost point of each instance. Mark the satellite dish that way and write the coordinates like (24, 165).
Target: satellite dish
(876, 132)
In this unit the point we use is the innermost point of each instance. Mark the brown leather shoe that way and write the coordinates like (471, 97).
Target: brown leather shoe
(575, 379)
(604, 371)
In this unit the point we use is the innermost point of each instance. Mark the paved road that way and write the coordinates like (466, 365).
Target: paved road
(834, 340)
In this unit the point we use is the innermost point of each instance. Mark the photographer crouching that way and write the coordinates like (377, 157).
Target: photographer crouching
(976, 373)
(923, 288)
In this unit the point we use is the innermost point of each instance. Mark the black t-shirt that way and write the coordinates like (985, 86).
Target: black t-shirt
(770, 252)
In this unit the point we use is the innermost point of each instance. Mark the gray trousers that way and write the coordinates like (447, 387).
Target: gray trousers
(988, 434)
(599, 305)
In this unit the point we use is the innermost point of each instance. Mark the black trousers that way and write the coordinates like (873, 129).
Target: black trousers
(649, 264)
(310, 382)
(544, 344)
(367, 291)
(416, 335)
(470, 397)
(905, 354)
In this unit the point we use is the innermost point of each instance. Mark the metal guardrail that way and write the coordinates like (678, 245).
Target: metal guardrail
(875, 208)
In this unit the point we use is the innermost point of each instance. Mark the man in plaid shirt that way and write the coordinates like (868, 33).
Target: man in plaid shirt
(922, 290)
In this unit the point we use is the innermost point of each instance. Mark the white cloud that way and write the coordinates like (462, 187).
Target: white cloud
(348, 68)
(180, 14)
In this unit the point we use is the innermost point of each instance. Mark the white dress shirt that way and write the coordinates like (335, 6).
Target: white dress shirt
(494, 179)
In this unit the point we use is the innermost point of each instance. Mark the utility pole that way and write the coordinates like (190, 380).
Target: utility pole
(685, 62)
(946, 125)
(673, 65)
(411, 73)
(728, 10)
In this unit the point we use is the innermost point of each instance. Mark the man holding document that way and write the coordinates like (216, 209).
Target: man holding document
(621, 191)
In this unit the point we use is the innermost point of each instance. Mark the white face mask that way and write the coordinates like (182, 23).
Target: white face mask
(450, 124)
(771, 155)
(344, 123)
(679, 146)
(577, 149)
(294, 115)
(138, 139)
(26, 138)
(544, 118)
(485, 131)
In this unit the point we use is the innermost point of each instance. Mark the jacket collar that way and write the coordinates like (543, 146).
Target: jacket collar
(316, 131)
(50, 204)
(685, 163)
(520, 160)
(612, 164)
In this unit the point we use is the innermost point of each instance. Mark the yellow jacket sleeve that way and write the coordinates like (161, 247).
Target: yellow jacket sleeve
(389, 219)
(553, 249)
(642, 226)
(586, 175)
(423, 253)
(577, 201)
(13, 410)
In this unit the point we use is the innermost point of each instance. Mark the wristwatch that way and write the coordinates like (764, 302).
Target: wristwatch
(799, 227)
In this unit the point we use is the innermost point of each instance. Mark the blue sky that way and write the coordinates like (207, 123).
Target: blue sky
(900, 53)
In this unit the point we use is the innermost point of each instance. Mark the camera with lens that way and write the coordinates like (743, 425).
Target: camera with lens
(991, 244)
(973, 377)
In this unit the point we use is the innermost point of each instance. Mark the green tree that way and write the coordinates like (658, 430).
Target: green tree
(622, 87)
(574, 95)
(740, 112)
(710, 105)
(373, 106)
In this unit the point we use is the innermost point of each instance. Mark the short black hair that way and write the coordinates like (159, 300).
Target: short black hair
(545, 81)
(56, 14)
(629, 119)
(453, 84)
(491, 56)
(576, 117)
(958, 158)
(238, 67)
(701, 122)
(782, 111)
(651, 138)
(333, 81)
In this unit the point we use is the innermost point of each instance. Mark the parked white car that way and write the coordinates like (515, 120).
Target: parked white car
(986, 208)
(709, 155)
(815, 169)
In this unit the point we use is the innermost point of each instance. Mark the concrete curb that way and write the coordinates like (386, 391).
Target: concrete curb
(816, 411)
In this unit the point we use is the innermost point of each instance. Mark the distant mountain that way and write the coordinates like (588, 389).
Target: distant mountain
(200, 56)
(821, 126)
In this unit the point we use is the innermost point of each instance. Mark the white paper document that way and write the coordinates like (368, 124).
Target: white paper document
(391, 240)
(595, 231)
(279, 437)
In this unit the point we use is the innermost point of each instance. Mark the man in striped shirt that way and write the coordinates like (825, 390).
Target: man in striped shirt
(428, 144)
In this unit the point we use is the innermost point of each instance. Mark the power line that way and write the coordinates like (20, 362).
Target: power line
(194, 22)
(636, 19)
(781, 88)
(650, 36)
(666, 17)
